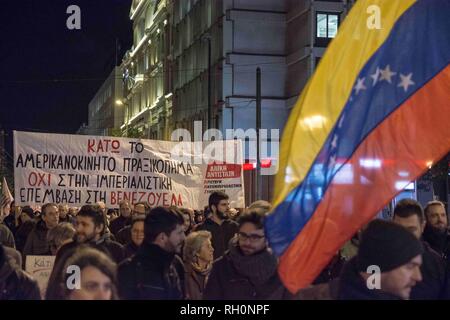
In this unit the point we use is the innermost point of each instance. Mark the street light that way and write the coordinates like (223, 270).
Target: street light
(120, 103)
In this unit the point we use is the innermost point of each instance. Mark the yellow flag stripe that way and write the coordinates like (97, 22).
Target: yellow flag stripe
(322, 100)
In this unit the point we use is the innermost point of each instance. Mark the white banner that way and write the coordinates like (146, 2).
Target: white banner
(40, 267)
(78, 170)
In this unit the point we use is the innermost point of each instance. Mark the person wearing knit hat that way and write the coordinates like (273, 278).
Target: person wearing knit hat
(391, 250)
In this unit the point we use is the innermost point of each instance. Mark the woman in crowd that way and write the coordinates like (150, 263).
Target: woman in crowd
(98, 276)
(60, 235)
(198, 258)
(137, 235)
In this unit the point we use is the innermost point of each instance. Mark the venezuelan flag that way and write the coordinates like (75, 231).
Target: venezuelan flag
(373, 117)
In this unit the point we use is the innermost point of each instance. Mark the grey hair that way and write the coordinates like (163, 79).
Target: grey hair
(62, 232)
(193, 244)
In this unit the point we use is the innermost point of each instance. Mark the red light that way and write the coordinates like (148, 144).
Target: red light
(248, 166)
(266, 163)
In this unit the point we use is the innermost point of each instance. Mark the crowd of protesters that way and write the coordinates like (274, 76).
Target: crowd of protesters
(218, 253)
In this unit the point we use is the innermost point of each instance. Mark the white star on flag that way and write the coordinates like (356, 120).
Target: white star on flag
(360, 85)
(341, 121)
(387, 74)
(375, 76)
(334, 143)
(406, 81)
(332, 162)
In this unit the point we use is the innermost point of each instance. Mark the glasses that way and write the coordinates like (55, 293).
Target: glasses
(252, 237)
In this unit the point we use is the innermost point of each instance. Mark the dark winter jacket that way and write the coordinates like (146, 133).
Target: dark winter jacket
(113, 249)
(119, 223)
(124, 235)
(6, 237)
(130, 250)
(22, 234)
(221, 234)
(331, 271)
(238, 277)
(434, 282)
(14, 283)
(149, 275)
(353, 287)
(37, 244)
(322, 291)
(10, 222)
(438, 240)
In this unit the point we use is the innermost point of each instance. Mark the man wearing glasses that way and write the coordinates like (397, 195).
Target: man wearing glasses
(248, 270)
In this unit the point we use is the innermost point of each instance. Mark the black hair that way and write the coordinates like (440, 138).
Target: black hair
(159, 220)
(86, 256)
(93, 212)
(215, 198)
(253, 216)
(409, 207)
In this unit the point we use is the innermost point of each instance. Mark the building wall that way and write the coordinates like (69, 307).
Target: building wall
(278, 36)
(147, 99)
(104, 114)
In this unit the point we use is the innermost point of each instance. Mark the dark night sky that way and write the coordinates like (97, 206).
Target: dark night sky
(50, 73)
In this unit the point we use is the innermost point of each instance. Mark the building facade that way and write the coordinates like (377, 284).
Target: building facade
(146, 71)
(105, 114)
(196, 60)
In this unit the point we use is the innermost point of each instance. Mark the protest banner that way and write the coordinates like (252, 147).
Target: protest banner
(40, 267)
(78, 170)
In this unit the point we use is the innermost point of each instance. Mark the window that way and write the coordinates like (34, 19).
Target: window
(326, 25)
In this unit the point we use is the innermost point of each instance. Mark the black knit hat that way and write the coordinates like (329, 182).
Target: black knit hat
(386, 245)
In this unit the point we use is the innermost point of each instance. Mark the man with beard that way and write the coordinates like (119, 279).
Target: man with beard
(151, 273)
(248, 271)
(90, 230)
(436, 232)
(409, 214)
(386, 267)
(218, 223)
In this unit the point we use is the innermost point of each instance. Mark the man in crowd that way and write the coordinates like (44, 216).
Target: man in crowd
(409, 214)
(37, 243)
(10, 213)
(123, 220)
(16, 284)
(64, 215)
(151, 274)
(123, 236)
(6, 237)
(218, 224)
(90, 230)
(386, 267)
(249, 269)
(436, 232)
